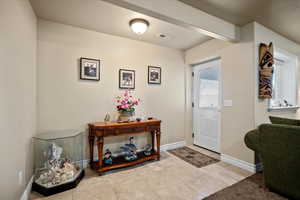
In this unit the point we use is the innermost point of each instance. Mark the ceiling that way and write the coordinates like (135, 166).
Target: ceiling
(282, 16)
(104, 17)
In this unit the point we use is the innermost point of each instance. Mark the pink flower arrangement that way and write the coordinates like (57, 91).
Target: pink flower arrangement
(126, 102)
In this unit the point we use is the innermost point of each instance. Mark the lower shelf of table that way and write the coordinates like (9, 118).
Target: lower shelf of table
(120, 162)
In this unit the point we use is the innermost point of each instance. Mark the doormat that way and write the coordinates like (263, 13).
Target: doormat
(193, 157)
(247, 189)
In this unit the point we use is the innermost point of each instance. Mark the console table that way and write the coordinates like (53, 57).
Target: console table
(99, 130)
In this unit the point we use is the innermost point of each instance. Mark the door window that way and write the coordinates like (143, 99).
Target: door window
(209, 88)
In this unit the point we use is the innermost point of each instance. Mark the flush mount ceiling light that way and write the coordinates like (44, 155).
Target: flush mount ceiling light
(139, 26)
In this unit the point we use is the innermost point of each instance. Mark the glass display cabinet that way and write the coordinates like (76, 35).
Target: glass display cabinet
(58, 161)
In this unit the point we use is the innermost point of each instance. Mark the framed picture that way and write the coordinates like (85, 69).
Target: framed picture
(154, 75)
(89, 69)
(126, 79)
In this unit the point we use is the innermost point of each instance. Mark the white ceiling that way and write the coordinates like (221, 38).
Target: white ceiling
(104, 17)
(282, 16)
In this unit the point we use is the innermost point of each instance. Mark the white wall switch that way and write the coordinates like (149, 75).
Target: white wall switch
(227, 103)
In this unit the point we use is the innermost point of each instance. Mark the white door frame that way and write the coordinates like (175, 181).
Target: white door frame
(220, 96)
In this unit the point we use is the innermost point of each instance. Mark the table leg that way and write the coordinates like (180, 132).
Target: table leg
(153, 140)
(91, 144)
(158, 144)
(100, 151)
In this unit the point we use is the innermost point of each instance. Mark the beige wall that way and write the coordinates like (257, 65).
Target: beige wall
(65, 102)
(264, 35)
(18, 95)
(238, 85)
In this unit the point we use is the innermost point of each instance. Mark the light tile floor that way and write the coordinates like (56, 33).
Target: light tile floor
(170, 178)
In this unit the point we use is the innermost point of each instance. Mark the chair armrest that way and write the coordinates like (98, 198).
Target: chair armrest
(280, 151)
(252, 140)
(280, 140)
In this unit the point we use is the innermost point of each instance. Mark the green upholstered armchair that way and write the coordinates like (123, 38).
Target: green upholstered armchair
(278, 146)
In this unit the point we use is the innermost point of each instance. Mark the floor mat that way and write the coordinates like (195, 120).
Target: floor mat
(193, 157)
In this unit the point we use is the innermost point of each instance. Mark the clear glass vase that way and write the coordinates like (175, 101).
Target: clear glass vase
(126, 116)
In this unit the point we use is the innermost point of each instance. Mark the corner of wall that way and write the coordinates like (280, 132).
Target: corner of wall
(263, 34)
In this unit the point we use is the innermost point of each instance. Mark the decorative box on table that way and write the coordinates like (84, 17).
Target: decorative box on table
(58, 161)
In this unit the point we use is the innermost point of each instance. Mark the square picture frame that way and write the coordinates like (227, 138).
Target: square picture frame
(126, 79)
(154, 75)
(89, 69)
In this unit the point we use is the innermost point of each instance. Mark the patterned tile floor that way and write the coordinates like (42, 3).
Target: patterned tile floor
(170, 178)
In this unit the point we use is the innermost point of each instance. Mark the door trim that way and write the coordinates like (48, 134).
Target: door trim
(207, 60)
(211, 59)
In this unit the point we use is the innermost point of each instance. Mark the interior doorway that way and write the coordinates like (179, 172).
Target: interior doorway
(207, 100)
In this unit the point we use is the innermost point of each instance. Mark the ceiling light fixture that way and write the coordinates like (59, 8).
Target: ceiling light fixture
(139, 26)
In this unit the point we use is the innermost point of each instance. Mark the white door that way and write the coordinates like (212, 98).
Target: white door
(206, 105)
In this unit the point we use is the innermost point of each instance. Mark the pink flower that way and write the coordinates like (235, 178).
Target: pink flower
(126, 101)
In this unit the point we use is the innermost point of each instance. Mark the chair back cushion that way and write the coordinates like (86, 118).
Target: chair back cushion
(286, 121)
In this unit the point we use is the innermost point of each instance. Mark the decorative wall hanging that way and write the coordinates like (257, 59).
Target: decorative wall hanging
(126, 79)
(89, 69)
(154, 75)
(266, 62)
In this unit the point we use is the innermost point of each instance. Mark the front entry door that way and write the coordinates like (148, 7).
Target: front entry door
(207, 106)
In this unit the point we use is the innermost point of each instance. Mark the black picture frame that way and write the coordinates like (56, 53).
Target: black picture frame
(157, 76)
(127, 72)
(92, 74)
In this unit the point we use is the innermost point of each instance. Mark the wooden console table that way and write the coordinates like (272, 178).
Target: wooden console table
(99, 130)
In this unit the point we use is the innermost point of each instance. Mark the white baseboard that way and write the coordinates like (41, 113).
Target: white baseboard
(239, 163)
(26, 193)
(170, 146)
(164, 147)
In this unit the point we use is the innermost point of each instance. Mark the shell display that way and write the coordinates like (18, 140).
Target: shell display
(57, 170)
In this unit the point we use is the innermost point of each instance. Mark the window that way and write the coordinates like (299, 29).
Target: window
(284, 81)
(209, 88)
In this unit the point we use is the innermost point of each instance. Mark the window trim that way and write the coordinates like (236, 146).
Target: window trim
(283, 55)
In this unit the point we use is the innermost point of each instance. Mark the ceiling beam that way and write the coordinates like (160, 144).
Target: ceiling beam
(178, 13)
